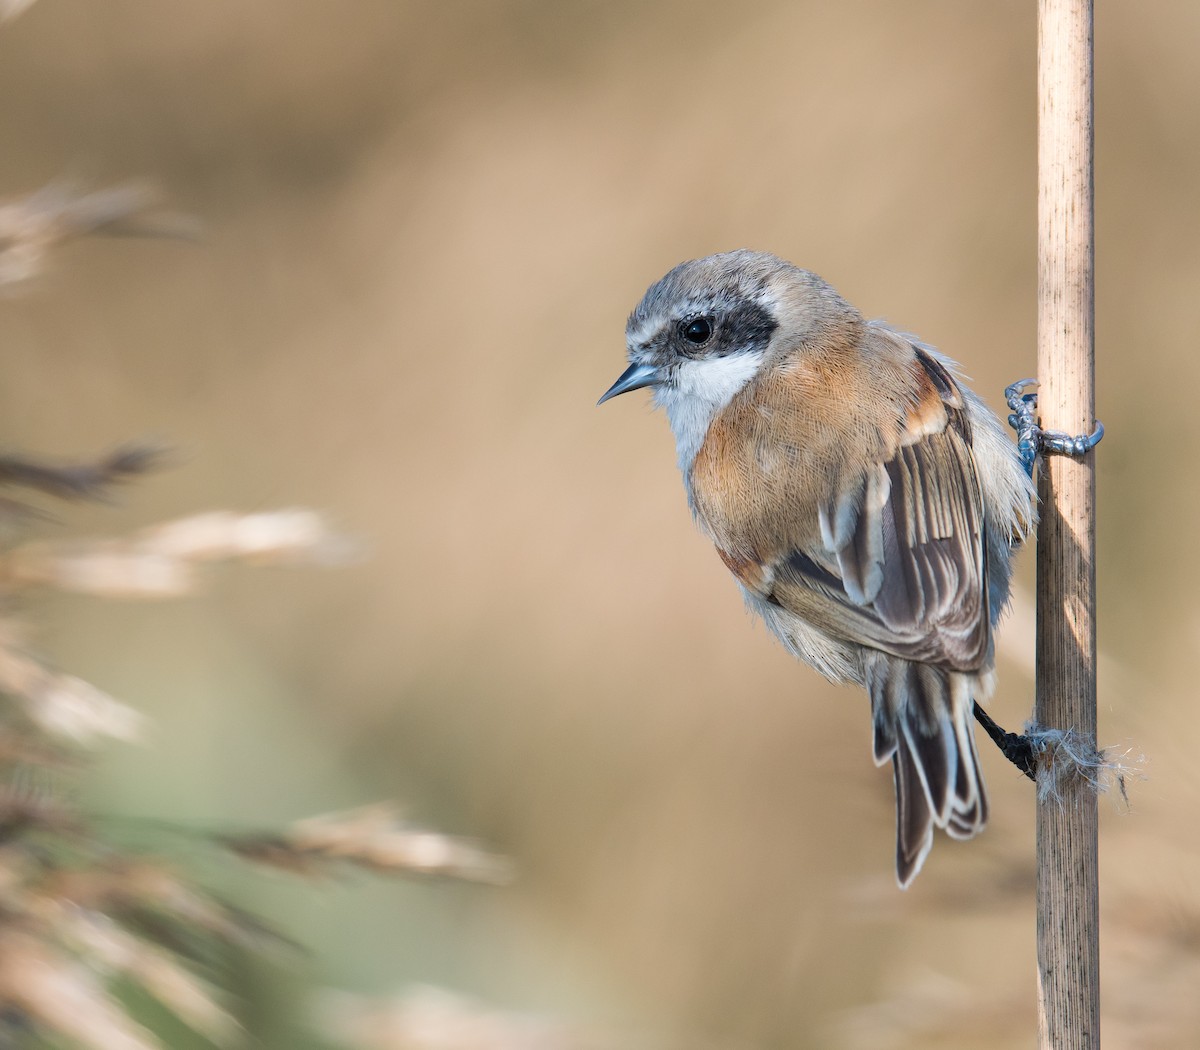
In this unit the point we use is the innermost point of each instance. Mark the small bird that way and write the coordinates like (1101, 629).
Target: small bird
(867, 502)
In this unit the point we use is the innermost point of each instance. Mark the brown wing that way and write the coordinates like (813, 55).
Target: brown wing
(900, 565)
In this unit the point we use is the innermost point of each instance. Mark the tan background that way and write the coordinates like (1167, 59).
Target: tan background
(426, 223)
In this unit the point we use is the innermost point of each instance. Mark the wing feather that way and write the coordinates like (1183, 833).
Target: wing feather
(900, 564)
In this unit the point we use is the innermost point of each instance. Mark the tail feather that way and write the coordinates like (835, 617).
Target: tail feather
(922, 718)
(968, 821)
(914, 822)
(923, 725)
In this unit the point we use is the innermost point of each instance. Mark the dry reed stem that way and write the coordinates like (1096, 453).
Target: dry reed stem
(1068, 894)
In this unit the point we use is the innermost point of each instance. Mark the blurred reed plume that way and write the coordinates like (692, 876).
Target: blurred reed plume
(82, 917)
(81, 914)
(31, 226)
(373, 838)
(12, 8)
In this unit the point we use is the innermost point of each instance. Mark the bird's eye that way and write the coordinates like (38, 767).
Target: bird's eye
(698, 330)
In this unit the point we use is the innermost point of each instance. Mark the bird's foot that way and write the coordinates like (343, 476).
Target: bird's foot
(1032, 440)
(1018, 749)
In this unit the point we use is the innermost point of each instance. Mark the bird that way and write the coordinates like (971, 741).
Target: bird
(867, 502)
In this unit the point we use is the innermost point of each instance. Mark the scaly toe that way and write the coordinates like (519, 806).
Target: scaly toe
(1060, 444)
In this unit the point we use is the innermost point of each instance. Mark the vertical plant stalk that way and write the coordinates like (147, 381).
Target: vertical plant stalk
(1068, 928)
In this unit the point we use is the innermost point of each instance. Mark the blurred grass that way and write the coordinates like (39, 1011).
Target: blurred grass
(425, 224)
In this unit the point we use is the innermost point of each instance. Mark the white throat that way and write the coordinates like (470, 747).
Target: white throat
(701, 389)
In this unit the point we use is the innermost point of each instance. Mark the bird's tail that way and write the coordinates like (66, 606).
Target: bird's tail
(923, 723)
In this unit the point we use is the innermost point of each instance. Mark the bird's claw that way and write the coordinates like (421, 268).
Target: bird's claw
(1024, 421)
(1061, 444)
(1032, 440)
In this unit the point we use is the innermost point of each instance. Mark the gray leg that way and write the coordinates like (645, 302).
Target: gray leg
(1032, 440)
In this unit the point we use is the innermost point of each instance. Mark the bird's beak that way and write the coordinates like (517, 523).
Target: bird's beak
(633, 378)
